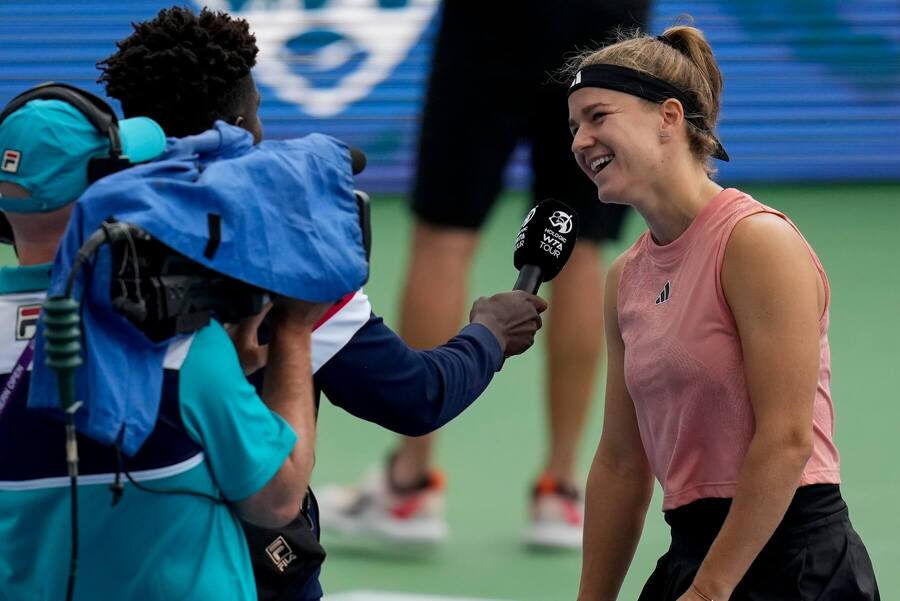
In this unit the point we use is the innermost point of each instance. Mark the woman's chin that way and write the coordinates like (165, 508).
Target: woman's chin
(609, 196)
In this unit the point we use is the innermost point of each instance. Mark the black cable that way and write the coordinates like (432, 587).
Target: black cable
(165, 491)
(136, 264)
(108, 232)
(72, 460)
(172, 491)
(85, 253)
(73, 563)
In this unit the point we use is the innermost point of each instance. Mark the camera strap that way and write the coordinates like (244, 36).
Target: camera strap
(14, 381)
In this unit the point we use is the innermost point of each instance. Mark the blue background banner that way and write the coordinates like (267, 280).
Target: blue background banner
(812, 86)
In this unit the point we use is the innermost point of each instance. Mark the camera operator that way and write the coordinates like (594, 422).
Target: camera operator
(214, 436)
(186, 71)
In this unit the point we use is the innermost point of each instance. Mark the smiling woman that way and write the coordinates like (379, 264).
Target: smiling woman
(638, 77)
(719, 385)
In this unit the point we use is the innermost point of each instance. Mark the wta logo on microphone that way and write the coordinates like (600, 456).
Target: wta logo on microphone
(561, 221)
(552, 237)
(552, 240)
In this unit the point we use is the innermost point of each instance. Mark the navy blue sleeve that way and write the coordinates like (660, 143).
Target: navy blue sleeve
(380, 379)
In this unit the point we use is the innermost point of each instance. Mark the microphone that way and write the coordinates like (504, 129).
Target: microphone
(544, 244)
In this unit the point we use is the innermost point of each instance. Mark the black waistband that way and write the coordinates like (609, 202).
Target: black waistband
(698, 523)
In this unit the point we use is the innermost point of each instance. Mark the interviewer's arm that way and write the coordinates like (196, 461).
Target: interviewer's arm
(376, 376)
(379, 378)
(620, 482)
(288, 392)
(777, 297)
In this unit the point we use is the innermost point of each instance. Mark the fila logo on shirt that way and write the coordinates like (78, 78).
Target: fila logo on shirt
(26, 321)
(664, 295)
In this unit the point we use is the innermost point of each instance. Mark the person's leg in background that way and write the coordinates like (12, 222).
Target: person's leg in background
(431, 311)
(457, 183)
(575, 322)
(575, 341)
(574, 352)
(469, 130)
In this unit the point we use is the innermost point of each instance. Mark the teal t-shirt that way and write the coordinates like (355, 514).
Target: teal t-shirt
(151, 547)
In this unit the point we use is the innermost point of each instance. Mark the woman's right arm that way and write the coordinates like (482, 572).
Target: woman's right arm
(620, 482)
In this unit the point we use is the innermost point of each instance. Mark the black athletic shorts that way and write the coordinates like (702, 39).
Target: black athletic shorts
(492, 86)
(814, 554)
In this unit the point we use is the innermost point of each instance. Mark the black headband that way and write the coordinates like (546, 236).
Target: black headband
(648, 87)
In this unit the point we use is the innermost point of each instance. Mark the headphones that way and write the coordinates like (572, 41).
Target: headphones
(94, 109)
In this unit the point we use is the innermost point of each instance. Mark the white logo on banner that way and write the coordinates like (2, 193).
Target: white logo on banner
(356, 28)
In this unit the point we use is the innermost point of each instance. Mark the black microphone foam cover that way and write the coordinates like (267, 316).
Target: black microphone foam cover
(547, 238)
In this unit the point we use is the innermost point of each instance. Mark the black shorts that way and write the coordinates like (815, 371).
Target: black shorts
(814, 553)
(492, 86)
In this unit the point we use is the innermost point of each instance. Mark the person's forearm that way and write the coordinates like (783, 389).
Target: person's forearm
(767, 483)
(379, 378)
(615, 507)
(288, 392)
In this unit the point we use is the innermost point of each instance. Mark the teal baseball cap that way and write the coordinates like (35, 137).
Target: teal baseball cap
(46, 145)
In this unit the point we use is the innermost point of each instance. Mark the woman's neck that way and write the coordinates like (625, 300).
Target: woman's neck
(672, 208)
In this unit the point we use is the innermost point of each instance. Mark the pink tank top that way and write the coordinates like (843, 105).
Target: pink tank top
(683, 365)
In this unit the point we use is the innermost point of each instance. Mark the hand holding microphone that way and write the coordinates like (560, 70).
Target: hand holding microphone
(513, 317)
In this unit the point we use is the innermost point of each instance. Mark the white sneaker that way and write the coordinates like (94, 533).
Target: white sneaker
(373, 510)
(557, 516)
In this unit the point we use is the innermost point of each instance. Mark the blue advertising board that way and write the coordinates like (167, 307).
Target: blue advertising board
(812, 87)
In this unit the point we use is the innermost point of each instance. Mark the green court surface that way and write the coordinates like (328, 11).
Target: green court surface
(492, 452)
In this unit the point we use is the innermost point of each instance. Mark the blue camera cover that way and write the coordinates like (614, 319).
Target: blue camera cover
(289, 223)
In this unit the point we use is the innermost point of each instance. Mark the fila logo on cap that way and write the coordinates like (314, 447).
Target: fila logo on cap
(26, 321)
(11, 160)
(577, 80)
(664, 295)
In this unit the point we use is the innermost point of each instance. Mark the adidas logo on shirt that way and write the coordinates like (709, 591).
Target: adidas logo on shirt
(664, 295)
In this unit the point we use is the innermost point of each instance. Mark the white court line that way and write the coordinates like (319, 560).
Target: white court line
(384, 596)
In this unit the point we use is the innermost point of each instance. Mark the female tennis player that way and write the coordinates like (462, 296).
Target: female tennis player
(719, 367)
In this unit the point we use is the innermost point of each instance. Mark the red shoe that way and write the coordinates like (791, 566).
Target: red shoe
(376, 510)
(557, 515)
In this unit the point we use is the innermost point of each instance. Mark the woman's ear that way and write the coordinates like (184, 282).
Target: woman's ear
(671, 115)
(238, 121)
